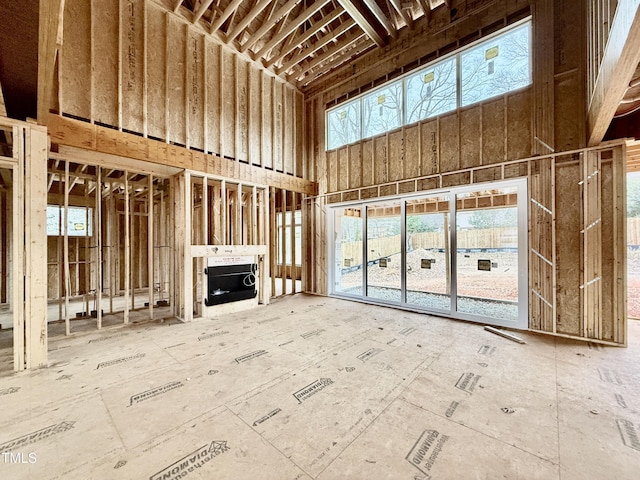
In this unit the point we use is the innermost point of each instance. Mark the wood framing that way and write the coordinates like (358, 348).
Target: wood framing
(95, 138)
(619, 61)
(577, 246)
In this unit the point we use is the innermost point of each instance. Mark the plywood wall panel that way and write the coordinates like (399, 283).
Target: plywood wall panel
(343, 168)
(156, 71)
(299, 135)
(396, 155)
(228, 120)
(332, 170)
(132, 61)
(568, 251)
(242, 109)
(176, 51)
(470, 136)
(367, 162)
(429, 148)
(212, 77)
(380, 160)
(608, 233)
(355, 166)
(519, 125)
(267, 121)
(493, 131)
(255, 117)
(449, 143)
(75, 61)
(412, 151)
(195, 89)
(288, 124)
(278, 105)
(105, 58)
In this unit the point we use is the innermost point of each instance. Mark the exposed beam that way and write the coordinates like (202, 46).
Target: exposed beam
(50, 24)
(292, 26)
(266, 26)
(381, 17)
(204, 6)
(304, 36)
(348, 40)
(329, 37)
(233, 6)
(361, 19)
(176, 5)
(403, 13)
(247, 19)
(90, 143)
(620, 60)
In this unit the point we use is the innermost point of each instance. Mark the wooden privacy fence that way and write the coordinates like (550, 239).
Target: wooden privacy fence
(385, 246)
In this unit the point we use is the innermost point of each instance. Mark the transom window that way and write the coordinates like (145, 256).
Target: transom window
(494, 66)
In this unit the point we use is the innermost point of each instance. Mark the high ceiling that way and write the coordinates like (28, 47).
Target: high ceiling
(303, 39)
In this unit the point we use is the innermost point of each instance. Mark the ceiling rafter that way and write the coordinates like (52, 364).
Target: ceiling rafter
(382, 18)
(176, 5)
(230, 10)
(339, 60)
(329, 37)
(371, 29)
(247, 19)
(292, 26)
(327, 54)
(299, 40)
(408, 19)
(268, 25)
(204, 6)
(425, 8)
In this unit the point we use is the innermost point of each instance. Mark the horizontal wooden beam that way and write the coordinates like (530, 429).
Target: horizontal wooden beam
(102, 140)
(620, 60)
(381, 17)
(369, 27)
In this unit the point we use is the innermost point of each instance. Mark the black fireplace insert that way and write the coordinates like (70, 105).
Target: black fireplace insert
(230, 283)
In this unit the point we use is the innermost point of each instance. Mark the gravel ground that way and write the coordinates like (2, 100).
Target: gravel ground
(499, 283)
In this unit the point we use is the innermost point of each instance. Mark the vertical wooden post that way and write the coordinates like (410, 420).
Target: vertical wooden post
(223, 210)
(150, 247)
(188, 261)
(283, 243)
(294, 268)
(97, 231)
(67, 273)
(273, 247)
(17, 266)
(127, 248)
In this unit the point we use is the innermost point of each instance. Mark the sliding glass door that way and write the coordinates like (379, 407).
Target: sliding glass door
(460, 252)
(428, 270)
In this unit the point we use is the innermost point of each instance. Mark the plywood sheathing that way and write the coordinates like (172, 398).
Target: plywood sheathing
(406, 388)
(151, 72)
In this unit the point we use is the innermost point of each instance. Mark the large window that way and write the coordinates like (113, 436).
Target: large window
(431, 91)
(343, 125)
(382, 110)
(495, 66)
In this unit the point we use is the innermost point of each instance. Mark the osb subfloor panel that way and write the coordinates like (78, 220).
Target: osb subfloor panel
(313, 387)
